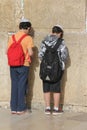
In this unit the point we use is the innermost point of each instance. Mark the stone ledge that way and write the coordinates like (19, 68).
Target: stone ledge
(40, 106)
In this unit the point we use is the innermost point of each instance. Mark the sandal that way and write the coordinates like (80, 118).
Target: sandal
(13, 112)
(20, 112)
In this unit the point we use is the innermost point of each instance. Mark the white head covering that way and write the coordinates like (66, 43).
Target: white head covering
(24, 20)
(59, 26)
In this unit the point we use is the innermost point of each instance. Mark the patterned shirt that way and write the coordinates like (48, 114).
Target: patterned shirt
(51, 40)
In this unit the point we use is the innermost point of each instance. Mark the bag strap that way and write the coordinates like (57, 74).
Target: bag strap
(13, 38)
(19, 41)
(46, 45)
(56, 46)
(59, 41)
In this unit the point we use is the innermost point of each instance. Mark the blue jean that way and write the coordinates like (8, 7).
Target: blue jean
(19, 84)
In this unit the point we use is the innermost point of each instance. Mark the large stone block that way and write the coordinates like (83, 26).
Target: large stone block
(44, 14)
(7, 20)
(69, 13)
(5, 88)
(75, 90)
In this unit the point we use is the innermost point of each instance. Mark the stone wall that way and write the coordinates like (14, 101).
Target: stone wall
(43, 15)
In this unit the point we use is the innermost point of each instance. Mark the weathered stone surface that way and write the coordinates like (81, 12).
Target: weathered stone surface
(69, 13)
(4, 88)
(44, 14)
(6, 15)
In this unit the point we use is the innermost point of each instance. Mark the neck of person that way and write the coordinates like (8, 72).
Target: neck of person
(24, 31)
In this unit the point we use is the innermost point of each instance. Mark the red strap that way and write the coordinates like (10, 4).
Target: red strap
(13, 37)
(28, 57)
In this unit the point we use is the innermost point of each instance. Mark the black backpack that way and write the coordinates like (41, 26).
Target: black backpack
(50, 67)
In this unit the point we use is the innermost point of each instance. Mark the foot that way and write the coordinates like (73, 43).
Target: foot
(47, 111)
(20, 112)
(13, 112)
(56, 112)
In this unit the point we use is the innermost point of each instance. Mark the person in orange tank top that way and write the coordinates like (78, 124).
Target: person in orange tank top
(19, 74)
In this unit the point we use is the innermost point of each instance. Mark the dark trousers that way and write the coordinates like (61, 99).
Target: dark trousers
(19, 84)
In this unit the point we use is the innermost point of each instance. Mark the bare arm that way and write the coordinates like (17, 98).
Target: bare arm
(30, 51)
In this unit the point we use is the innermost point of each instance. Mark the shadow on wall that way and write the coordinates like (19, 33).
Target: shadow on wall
(34, 65)
(63, 82)
(32, 32)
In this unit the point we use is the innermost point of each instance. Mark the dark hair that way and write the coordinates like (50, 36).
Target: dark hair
(24, 25)
(57, 30)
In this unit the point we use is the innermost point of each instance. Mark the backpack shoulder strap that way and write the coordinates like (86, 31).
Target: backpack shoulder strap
(13, 37)
(56, 46)
(59, 41)
(22, 38)
(47, 47)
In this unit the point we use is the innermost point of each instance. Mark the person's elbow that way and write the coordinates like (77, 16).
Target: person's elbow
(30, 52)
